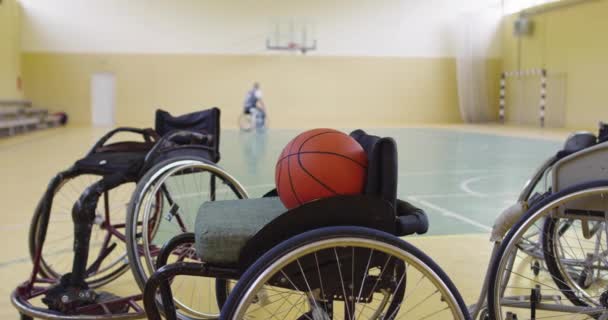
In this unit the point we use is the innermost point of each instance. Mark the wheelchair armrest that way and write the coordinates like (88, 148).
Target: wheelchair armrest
(177, 138)
(148, 134)
(410, 219)
(271, 193)
(192, 136)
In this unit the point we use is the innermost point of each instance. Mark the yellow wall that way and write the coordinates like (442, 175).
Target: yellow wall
(571, 43)
(10, 49)
(299, 91)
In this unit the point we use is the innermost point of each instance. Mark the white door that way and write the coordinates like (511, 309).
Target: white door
(103, 95)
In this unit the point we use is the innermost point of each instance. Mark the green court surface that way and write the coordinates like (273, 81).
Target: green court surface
(463, 180)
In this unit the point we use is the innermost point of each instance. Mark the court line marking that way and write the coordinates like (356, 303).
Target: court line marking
(413, 198)
(459, 195)
(460, 171)
(451, 214)
(464, 185)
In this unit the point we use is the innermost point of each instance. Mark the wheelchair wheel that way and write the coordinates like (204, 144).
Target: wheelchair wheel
(577, 258)
(246, 122)
(516, 292)
(344, 273)
(175, 189)
(107, 257)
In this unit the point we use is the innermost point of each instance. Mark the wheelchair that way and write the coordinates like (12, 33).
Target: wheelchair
(538, 186)
(253, 119)
(79, 238)
(561, 224)
(334, 258)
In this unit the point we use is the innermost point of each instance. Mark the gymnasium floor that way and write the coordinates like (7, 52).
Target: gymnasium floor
(463, 176)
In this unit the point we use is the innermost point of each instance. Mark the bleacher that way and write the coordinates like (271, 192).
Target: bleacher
(19, 116)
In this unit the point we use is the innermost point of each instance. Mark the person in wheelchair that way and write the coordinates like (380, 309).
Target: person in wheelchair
(254, 109)
(333, 258)
(253, 99)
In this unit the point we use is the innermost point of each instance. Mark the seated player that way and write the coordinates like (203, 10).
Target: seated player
(253, 100)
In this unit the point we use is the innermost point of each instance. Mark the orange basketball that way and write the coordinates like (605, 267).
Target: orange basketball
(320, 163)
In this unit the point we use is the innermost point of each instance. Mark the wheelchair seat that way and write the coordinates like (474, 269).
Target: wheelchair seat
(224, 227)
(237, 232)
(128, 164)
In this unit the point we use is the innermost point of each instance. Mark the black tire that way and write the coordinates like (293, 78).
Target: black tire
(549, 250)
(328, 233)
(492, 287)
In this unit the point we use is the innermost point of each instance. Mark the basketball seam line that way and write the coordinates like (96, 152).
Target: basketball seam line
(291, 143)
(280, 164)
(293, 189)
(278, 181)
(308, 172)
(324, 152)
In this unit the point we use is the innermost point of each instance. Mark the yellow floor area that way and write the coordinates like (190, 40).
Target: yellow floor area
(27, 162)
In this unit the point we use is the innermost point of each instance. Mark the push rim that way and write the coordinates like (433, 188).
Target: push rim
(511, 246)
(153, 187)
(410, 260)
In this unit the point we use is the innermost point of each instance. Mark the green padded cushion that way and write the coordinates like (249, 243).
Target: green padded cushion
(224, 227)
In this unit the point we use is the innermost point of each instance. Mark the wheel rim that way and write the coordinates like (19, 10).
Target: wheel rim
(303, 293)
(191, 303)
(571, 262)
(518, 281)
(59, 241)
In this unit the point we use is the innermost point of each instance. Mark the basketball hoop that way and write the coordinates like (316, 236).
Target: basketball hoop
(292, 37)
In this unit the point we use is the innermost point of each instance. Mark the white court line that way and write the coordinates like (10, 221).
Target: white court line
(458, 171)
(461, 195)
(450, 214)
(447, 172)
(464, 185)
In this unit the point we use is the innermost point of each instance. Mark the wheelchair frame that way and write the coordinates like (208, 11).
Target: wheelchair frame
(510, 221)
(75, 299)
(354, 211)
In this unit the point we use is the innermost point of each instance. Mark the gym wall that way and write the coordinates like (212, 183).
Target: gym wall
(10, 50)
(299, 91)
(570, 43)
(378, 65)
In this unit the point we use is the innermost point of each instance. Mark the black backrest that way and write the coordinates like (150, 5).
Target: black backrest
(205, 121)
(382, 170)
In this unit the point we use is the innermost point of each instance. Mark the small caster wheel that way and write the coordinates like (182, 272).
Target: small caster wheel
(535, 268)
(511, 316)
(584, 280)
(604, 299)
(484, 315)
(25, 317)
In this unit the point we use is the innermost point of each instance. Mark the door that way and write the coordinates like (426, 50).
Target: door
(103, 95)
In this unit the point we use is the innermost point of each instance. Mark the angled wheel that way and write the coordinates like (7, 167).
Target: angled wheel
(165, 204)
(576, 253)
(516, 292)
(344, 273)
(107, 257)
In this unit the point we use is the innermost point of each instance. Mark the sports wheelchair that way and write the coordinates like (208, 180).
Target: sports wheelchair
(253, 119)
(334, 258)
(558, 225)
(174, 167)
